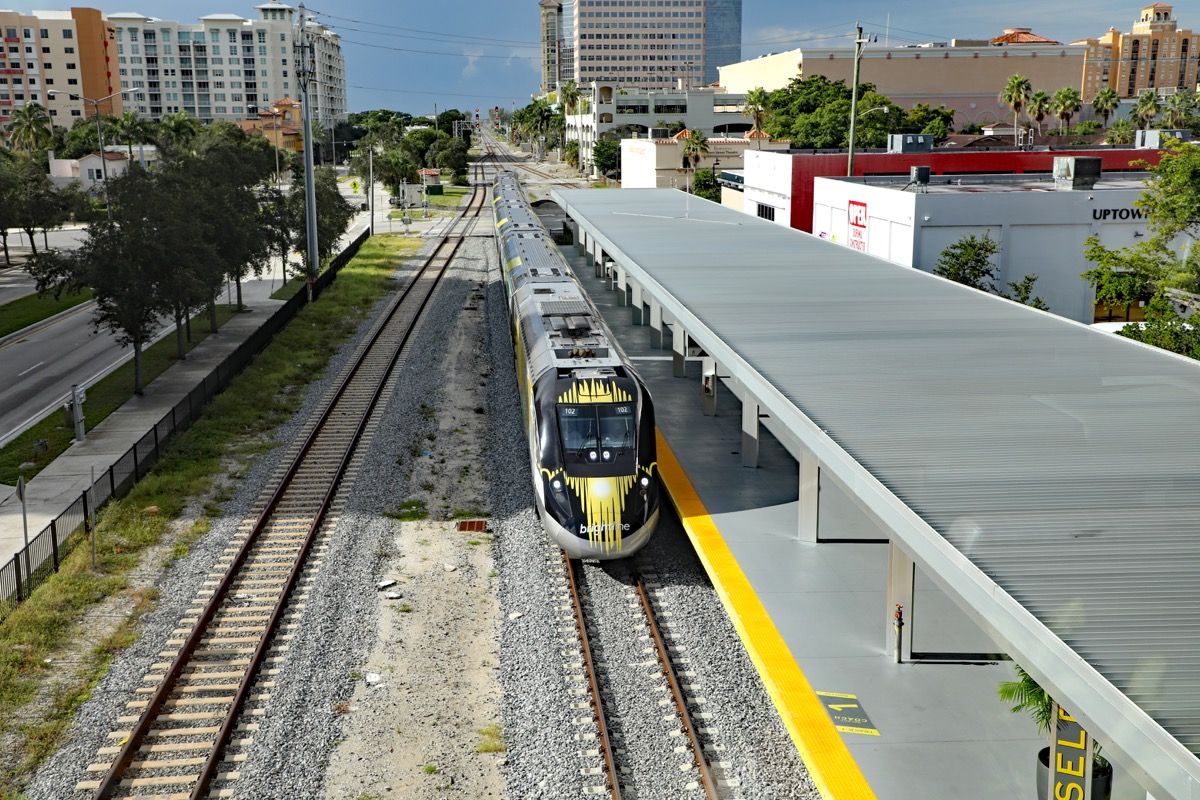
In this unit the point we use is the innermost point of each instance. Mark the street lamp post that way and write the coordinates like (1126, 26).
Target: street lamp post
(100, 136)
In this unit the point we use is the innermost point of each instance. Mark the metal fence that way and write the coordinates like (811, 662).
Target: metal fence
(45, 552)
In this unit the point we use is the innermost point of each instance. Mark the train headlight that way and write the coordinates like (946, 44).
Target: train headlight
(557, 485)
(592, 455)
(645, 481)
(607, 455)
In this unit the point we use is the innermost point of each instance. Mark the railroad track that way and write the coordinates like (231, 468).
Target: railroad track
(195, 717)
(603, 708)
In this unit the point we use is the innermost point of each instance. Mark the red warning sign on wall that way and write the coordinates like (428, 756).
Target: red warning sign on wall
(856, 230)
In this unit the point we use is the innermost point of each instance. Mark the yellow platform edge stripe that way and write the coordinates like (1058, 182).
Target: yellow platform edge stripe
(829, 762)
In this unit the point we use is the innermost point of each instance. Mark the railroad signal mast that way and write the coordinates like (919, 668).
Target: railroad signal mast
(306, 75)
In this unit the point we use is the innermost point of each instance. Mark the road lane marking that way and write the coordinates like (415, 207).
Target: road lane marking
(31, 369)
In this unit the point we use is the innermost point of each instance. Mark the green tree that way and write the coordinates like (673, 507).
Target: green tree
(1180, 107)
(38, 204)
(132, 131)
(1067, 103)
(1120, 132)
(1022, 292)
(1106, 102)
(333, 213)
(704, 184)
(571, 153)
(29, 129)
(693, 147)
(1147, 108)
(923, 118)
(969, 262)
(606, 156)
(1014, 95)
(177, 132)
(1039, 107)
(568, 93)
(755, 107)
(8, 203)
(1164, 328)
(1121, 278)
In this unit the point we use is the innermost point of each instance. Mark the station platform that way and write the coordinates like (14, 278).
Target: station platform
(814, 615)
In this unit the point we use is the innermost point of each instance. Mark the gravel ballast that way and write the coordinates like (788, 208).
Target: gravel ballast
(177, 588)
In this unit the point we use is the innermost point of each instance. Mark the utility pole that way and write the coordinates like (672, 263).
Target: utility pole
(859, 41)
(305, 76)
(371, 187)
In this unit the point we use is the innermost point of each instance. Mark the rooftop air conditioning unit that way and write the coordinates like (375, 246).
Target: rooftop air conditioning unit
(918, 176)
(910, 143)
(1155, 139)
(1076, 172)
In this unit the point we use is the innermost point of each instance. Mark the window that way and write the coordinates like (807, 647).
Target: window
(72, 81)
(45, 33)
(75, 112)
(596, 434)
(766, 212)
(69, 50)
(70, 65)
(68, 33)
(45, 51)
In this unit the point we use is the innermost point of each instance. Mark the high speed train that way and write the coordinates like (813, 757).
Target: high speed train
(589, 418)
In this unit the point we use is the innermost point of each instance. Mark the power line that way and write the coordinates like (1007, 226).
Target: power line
(491, 39)
(439, 52)
(431, 39)
(435, 94)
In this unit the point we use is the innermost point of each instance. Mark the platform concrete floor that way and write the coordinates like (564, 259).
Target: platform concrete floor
(942, 731)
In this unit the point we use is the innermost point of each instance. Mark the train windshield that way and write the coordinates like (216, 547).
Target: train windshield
(597, 433)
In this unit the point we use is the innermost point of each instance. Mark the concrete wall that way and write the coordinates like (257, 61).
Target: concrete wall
(658, 163)
(772, 185)
(1039, 232)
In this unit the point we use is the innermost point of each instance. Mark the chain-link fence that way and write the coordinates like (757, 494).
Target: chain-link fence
(26, 570)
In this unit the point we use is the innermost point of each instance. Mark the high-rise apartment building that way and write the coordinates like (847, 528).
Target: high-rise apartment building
(651, 44)
(56, 58)
(1157, 54)
(225, 66)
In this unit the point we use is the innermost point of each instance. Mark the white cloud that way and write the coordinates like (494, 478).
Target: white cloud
(472, 68)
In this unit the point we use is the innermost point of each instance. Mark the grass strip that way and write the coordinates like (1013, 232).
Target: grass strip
(266, 394)
(103, 397)
(451, 197)
(25, 311)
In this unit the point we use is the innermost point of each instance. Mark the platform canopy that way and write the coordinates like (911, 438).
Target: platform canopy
(1047, 475)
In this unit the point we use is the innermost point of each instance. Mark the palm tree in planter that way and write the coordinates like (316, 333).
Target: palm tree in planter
(1025, 694)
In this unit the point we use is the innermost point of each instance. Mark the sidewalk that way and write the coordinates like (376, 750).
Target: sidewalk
(59, 485)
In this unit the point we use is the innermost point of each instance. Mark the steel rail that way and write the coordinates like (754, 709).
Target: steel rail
(685, 715)
(593, 681)
(110, 783)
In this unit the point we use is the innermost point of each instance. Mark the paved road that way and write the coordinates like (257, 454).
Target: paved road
(37, 370)
(14, 281)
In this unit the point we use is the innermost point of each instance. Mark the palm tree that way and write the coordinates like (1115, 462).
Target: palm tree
(1147, 108)
(30, 128)
(1067, 103)
(568, 95)
(1106, 102)
(131, 129)
(755, 107)
(1014, 95)
(1039, 107)
(1179, 107)
(695, 146)
(176, 131)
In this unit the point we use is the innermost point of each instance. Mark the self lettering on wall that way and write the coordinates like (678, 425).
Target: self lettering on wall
(1070, 758)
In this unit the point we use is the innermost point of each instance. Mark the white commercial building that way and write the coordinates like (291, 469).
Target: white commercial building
(631, 112)
(89, 173)
(1041, 230)
(658, 163)
(225, 66)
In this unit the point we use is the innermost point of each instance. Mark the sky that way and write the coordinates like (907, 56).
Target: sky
(480, 53)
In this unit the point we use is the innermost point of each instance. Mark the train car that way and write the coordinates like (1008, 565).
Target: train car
(589, 418)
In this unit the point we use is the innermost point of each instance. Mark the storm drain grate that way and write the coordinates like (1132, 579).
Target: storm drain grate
(472, 525)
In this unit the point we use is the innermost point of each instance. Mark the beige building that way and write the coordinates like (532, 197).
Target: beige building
(55, 58)
(1157, 54)
(964, 75)
(658, 163)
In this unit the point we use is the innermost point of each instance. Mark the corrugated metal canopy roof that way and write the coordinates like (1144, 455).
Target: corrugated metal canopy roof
(1063, 462)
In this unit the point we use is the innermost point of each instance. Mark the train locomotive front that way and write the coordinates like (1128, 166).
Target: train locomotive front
(588, 416)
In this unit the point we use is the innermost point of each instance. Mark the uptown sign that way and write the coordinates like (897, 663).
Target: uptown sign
(1117, 214)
